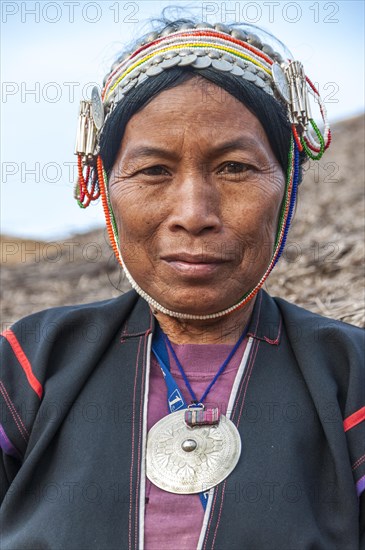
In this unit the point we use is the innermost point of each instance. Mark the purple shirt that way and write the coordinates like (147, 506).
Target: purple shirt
(175, 521)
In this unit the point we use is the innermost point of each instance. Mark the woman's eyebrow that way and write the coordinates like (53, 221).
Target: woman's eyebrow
(243, 143)
(149, 151)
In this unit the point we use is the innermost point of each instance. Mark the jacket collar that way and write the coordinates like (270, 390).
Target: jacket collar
(266, 321)
(265, 324)
(140, 320)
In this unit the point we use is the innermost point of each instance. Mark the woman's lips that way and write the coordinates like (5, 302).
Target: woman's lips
(199, 266)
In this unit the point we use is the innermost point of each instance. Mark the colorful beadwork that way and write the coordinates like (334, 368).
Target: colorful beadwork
(87, 187)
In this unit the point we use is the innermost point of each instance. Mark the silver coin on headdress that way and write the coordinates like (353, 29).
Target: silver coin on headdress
(187, 59)
(97, 108)
(281, 82)
(171, 62)
(222, 65)
(202, 62)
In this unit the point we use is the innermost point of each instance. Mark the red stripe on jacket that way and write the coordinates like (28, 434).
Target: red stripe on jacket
(354, 419)
(24, 362)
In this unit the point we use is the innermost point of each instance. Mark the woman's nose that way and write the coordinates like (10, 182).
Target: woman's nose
(196, 206)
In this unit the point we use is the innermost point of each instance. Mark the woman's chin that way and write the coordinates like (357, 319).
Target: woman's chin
(195, 301)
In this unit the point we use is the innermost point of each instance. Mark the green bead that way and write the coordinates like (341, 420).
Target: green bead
(310, 154)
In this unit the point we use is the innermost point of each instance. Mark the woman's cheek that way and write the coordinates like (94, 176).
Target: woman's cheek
(138, 230)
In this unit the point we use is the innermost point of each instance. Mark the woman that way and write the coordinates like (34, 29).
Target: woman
(195, 410)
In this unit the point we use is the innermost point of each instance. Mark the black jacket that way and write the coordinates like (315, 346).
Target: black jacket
(72, 475)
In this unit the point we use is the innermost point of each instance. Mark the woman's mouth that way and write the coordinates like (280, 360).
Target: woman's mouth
(194, 266)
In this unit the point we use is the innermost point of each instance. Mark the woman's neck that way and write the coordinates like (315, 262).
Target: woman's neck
(223, 330)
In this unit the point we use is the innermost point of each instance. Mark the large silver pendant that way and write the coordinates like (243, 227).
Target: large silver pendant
(188, 460)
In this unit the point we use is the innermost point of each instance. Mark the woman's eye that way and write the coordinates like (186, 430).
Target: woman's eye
(154, 171)
(235, 168)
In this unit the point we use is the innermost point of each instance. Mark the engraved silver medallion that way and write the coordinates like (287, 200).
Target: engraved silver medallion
(188, 460)
(97, 108)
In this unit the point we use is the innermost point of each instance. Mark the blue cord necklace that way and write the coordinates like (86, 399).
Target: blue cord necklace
(217, 375)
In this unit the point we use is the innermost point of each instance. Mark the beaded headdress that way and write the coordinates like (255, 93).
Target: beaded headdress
(225, 49)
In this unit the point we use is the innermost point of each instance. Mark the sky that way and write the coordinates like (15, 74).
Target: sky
(52, 53)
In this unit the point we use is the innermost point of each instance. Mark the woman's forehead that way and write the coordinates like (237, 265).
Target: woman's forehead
(184, 100)
(184, 112)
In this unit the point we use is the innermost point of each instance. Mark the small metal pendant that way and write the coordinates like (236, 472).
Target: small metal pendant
(186, 460)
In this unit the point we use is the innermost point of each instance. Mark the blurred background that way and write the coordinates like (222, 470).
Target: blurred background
(53, 53)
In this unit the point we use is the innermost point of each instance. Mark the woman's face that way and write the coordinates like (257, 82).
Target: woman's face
(196, 191)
